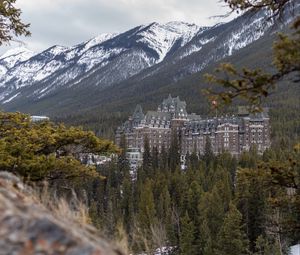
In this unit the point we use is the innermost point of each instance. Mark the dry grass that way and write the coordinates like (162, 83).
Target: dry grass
(38, 207)
(73, 211)
(121, 239)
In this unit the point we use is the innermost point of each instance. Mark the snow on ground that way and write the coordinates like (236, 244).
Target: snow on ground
(16, 55)
(295, 250)
(16, 51)
(162, 251)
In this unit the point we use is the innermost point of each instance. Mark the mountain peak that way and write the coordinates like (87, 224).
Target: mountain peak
(13, 57)
(100, 39)
(17, 51)
(163, 37)
(57, 49)
(110, 59)
(180, 24)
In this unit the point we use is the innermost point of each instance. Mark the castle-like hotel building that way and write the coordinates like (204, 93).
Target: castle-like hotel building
(234, 134)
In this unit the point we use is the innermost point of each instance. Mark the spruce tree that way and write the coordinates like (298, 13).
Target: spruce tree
(208, 152)
(127, 204)
(211, 209)
(155, 160)
(163, 160)
(193, 161)
(123, 163)
(266, 247)
(11, 24)
(206, 240)
(164, 206)
(146, 207)
(147, 161)
(187, 236)
(174, 155)
(232, 239)
(46, 151)
(251, 200)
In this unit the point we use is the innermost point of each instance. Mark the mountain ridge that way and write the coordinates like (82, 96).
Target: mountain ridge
(155, 40)
(132, 64)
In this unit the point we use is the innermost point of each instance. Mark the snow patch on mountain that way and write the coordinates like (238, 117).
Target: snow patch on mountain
(3, 70)
(11, 98)
(21, 51)
(248, 34)
(47, 69)
(58, 65)
(99, 39)
(161, 38)
(79, 49)
(96, 56)
(57, 49)
(113, 58)
(14, 56)
(197, 47)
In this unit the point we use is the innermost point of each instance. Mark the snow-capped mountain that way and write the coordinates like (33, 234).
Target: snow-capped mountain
(211, 45)
(111, 66)
(57, 66)
(162, 38)
(13, 57)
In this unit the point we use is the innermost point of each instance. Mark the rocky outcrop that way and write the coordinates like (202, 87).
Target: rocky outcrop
(27, 227)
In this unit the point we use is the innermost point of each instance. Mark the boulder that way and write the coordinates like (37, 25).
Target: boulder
(28, 227)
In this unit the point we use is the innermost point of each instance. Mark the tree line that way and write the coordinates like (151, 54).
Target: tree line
(218, 205)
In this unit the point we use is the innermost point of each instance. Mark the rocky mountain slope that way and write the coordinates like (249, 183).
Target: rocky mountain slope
(112, 69)
(113, 57)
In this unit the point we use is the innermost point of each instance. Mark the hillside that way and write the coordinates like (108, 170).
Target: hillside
(125, 97)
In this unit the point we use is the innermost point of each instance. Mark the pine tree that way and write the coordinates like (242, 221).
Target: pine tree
(193, 161)
(146, 207)
(232, 239)
(206, 240)
(265, 247)
(164, 206)
(251, 201)
(194, 194)
(163, 160)
(211, 209)
(127, 204)
(174, 155)
(155, 160)
(123, 163)
(187, 236)
(13, 26)
(147, 161)
(208, 152)
(46, 151)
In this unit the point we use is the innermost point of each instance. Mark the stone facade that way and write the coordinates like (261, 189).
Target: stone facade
(234, 134)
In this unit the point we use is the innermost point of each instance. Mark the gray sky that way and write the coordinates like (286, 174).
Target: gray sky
(68, 22)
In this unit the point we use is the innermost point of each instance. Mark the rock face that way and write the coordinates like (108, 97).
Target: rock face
(26, 227)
